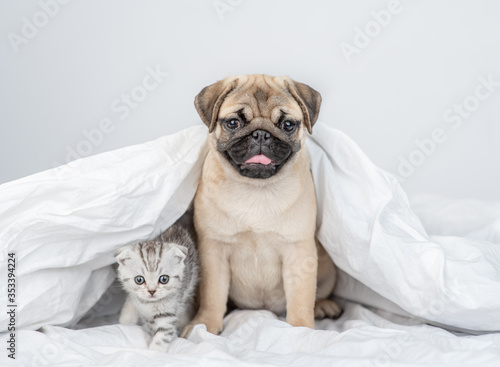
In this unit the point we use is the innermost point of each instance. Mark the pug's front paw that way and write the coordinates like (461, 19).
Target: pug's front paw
(213, 325)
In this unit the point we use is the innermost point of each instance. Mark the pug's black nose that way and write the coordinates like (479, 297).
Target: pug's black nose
(261, 135)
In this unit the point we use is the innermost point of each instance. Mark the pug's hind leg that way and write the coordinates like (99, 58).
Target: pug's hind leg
(327, 308)
(327, 277)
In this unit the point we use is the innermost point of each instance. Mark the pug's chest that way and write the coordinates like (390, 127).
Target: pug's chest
(258, 219)
(256, 272)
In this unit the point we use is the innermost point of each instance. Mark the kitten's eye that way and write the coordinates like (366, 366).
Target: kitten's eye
(233, 124)
(139, 280)
(164, 279)
(288, 126)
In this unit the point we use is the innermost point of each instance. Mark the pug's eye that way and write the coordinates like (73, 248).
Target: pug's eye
(140, 280)
(233, 124)
(164, 279)
(288, 126)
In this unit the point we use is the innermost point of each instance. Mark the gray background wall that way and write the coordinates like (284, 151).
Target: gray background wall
(407, 80)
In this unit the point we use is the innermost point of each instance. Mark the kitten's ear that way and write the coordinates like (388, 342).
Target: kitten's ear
(123, 254)
(179, 253)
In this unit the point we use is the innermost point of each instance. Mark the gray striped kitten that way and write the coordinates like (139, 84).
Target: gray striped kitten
(160, 277)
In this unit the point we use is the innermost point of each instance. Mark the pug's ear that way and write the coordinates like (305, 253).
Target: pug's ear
(308, 99)
(209, 100)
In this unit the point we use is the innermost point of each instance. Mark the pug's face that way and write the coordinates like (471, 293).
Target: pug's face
(258, 122)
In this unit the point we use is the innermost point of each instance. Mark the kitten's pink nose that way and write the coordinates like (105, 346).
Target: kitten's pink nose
(152, 292)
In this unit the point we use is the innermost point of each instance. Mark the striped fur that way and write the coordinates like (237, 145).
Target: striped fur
(162, 308)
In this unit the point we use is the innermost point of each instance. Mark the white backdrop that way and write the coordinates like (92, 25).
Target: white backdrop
(415, 83)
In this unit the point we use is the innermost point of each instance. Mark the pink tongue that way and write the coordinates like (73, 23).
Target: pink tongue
(260, 158)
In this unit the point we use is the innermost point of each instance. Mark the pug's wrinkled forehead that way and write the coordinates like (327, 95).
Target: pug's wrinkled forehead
(258, 96)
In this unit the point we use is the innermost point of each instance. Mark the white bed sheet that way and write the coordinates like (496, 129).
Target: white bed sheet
(360, 337)
(65, 223)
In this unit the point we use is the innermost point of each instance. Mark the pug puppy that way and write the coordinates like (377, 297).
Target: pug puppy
(255, 207)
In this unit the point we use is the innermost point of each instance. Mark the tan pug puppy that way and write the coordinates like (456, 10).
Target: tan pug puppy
(255, 208)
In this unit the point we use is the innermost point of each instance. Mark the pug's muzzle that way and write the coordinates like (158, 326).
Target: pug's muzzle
(259, 154)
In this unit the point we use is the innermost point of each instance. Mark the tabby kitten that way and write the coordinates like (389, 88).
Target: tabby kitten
(160, 277)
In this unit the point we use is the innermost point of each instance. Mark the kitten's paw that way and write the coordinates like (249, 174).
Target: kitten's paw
(327, 308)
(159, 346)
(161, 342)
(128, 318)
(128, 314)
(213, 326)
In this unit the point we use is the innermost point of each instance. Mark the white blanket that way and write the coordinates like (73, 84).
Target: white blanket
(64, 224)
(257, 338)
